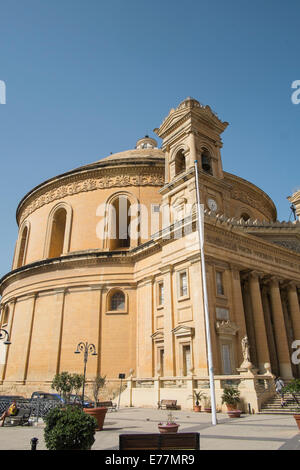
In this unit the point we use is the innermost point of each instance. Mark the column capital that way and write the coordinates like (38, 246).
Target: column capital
(269, 279)
(167, 269)
(290, 285)
(254, 274)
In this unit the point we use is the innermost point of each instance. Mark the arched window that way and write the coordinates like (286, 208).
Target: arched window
(5, 316)
(245, 216)
(58, 234)
(58, 229)
(180, 164)
(206, 164)
(119, 222)
(22, 247)
(117, 301)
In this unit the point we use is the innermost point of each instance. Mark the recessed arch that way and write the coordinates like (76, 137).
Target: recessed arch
(180, 162)
(22, 245)
(58, 233)
(120, 231)
(5, 317)
(245, 216)
(116, 301)
(206, 161)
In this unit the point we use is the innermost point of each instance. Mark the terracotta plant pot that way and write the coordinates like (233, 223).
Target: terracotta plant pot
(207, 410)
(234, 413)
(231, 407)
(168, 428)
(99, 414)
(297, 418)
(197, 408)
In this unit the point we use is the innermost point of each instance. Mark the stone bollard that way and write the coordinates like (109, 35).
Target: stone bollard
(34, 442)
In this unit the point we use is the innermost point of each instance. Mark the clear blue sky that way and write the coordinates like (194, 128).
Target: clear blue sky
(88, 77)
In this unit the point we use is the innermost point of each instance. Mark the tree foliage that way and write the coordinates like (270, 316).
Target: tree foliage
(98, 383)
(64, 383)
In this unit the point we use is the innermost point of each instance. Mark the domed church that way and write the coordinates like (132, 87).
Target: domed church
(108, 254)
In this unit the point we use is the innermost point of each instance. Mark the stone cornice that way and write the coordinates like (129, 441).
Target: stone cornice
(218, 234)
(250, 194)
(148, 172)
(187, 109)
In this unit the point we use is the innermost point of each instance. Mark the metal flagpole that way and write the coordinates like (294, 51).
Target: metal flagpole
(205, 301)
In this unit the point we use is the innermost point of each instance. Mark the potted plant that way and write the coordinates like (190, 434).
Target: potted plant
(170, 427)
(98, 412)
(98, 384)
(231, 397)
(293, 388)
(198, 397)
(69, 428)
(207, 404)
(64, 383)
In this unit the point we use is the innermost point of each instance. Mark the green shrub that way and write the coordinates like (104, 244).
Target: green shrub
(293, 386)
(231, 395)
(69, 428)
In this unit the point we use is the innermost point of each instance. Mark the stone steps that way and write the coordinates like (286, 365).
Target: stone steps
(273, 406)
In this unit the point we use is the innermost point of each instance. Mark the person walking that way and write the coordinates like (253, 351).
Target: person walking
(279, 386)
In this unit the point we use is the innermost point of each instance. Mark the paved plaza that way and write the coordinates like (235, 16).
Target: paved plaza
(254, 432)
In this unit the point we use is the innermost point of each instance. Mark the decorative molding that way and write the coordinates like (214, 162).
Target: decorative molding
(158, 336)
(101, 179)
(183, 330)
(226, 327)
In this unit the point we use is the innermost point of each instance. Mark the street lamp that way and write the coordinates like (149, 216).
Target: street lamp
(4, 334)
(86, 349)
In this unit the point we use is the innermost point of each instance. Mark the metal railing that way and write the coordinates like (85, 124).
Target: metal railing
(39, 408)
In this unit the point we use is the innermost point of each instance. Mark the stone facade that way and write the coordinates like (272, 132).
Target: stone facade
(139, 298)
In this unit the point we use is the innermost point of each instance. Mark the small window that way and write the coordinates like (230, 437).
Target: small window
(5, 316)
(226, 359)
(22, 249)
(219, 282)
(180, 164)
(245, 216)
(183, 287)
(206, 162)
(155, 208)
(222, 313)
(117, 301)
(186, 353)
(161, 361)
(160, 293)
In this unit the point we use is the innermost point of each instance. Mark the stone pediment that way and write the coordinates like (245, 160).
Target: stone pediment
(183, 330)
(157, 336)
(226, 327)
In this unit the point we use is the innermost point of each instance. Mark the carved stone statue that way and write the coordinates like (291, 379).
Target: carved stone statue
(246, 350)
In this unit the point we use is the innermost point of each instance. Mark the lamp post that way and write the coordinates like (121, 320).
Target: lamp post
(205, 302)
(86, 349)
(4, 334)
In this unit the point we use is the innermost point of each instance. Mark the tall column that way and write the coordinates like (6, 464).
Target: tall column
(238, 309)
(282, 346)
(12, 307)
(249, 317)
(169, 347)
(56, 333)
(294, 311)
(270, 332)
(145, 327)
(27, 344)
(259, 322)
